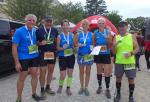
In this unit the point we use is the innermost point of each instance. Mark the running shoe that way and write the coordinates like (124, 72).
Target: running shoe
(99, 90)
(86, 91)
(50, 91)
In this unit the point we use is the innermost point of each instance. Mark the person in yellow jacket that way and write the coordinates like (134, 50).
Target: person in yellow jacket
(125, 47)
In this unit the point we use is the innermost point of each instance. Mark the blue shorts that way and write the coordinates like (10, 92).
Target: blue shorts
(81, 61)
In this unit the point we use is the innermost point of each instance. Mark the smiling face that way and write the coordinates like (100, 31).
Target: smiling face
(123, 29)
(30, 21)
(65, 25)
(85, 25)
(48, 23)
(101, 23)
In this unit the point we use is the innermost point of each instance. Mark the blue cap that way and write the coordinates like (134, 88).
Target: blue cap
(47, 18)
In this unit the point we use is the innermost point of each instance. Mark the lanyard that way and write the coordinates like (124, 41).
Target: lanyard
(104, 34)
(30, 35)
(49, 33)
(66, 39)
(84, 37)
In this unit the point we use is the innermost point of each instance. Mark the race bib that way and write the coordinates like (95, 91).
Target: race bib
(88, 58)
(49, 56)
(33, 49)
(50, 41)
(129, 66)
(103, 48)
(68, 52)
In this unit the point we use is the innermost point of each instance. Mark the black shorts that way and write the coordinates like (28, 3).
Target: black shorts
(43, 62)
(28, 63)
(66, 62)
(102, 59)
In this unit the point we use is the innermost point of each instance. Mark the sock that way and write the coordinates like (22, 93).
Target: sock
(61, 82)
(47, 86)
(107, 82)
(69, 81)
(99, 79)
(42, 89)
(118, 87)
(131, 89)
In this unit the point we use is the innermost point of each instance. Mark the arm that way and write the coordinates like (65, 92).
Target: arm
(16, 40)
(75, 40)
(110, 38)
(15, 53)
(58, 43)
(15, 57)
(93, 39)
(135, 45)
(40, 40)
(115, 43)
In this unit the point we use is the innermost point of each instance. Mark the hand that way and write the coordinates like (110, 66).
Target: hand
(91, 47)
(44, 42)
(65, 46)
(18, 67)
(127, 54)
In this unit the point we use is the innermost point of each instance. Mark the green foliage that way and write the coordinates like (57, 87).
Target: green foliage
(17, 9)
(95, 7)
(70, 11)
(114, 17)
(136, 23)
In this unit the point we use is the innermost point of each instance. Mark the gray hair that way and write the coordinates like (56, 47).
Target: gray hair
(29, 16)
(101, 20)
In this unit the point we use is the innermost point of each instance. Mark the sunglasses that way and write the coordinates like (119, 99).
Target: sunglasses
(31, 20)
(101, 23)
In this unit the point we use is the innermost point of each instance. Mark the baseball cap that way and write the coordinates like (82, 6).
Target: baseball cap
(47, 18)
(123, 23)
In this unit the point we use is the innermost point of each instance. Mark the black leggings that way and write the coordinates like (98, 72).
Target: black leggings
(147, 57)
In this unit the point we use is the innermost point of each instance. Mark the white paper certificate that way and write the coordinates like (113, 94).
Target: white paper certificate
(96, 50)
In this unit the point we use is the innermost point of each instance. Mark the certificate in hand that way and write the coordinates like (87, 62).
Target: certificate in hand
(96, 50)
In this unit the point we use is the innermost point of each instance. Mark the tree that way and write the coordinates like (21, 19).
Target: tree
(114, 17)
(136, 23)
(95, 7)
(17, 9)
(70, 11)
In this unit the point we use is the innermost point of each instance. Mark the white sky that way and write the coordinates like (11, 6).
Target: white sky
(126, 8)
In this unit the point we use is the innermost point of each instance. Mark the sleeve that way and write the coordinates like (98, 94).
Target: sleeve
(56, 31)
(37, 35)
(16, 37)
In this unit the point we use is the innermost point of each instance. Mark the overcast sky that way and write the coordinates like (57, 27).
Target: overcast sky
(126, 8)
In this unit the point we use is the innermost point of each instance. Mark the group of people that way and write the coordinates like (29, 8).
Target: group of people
(38, 48)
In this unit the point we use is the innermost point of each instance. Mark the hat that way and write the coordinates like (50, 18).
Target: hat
(47, 18)
(123, 23)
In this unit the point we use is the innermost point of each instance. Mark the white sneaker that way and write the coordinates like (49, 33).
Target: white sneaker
(149, 70)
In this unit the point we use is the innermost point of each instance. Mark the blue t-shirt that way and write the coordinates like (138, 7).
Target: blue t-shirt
(101, 40)
(63, 42)
(85, 49)
(22, 38)
(42, 35)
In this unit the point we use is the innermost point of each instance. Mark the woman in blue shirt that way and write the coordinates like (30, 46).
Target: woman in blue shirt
(65, 47)
(103, 61)
(84, 41)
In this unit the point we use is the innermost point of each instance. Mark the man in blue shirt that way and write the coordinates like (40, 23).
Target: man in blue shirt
(25, 54)
(46, 37)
